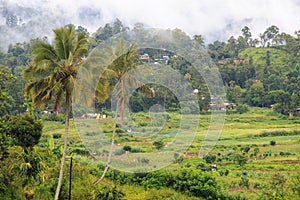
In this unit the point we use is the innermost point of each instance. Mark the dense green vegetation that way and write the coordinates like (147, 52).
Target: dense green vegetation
(247, 160)
(256, 157)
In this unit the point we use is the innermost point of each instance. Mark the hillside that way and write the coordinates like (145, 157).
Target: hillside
(278, 59)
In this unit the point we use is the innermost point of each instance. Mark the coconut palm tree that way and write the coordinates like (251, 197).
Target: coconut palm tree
(52, 73)
(121, 76)
(122, 73)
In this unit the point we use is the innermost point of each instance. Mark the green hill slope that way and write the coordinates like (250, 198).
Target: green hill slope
(279, 60)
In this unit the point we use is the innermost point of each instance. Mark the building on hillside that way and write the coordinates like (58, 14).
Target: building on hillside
(145, 57)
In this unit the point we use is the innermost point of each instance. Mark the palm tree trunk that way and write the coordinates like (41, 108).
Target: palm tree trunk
(110, 152)
(63, 159)
(122, 109)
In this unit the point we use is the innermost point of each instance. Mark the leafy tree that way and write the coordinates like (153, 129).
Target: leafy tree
(244, 182)
(52, 73)
(127, 148)
(276, 189)
(15, 89)
(234, 92)
(158, 144)
(241, 44)
(118, 26)
(104, 33)
(196, 183)
(256, 151)
(240, 159)
(217, 50)
(268, 60)
(82, 30)
(5, 139)
(4, 97)
(246, 149)
(209, 158)
(25, 130)
(255, 94)
(247, 35)
(268, 36)
(231, 47)
(199, 39)
(272, 143)
(242, 108)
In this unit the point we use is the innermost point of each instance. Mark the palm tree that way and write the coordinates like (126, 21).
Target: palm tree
(52, 74)
(121, 74)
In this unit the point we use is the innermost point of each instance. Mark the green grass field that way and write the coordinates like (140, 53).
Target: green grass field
(240, 132)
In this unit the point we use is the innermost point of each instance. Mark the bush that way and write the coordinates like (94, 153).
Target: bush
(52, 117)
(158, 179)
(210, 158)
(144, 160)
(25, 130)
(197, 183)
(56, 135)
(119, 130)
(244, 182)
(91, 133)
(127, 148)
(136, 150)
(240, 159)
(158, 144)
(143, 124)
(80, 151)
(242, 108)
(272, 143)
(279, 133)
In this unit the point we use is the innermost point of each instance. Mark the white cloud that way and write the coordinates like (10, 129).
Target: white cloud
(215, 19)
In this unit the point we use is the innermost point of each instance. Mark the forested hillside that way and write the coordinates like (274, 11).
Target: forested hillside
(262, 72)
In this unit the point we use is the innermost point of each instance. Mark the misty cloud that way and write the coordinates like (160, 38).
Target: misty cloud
(214, 19)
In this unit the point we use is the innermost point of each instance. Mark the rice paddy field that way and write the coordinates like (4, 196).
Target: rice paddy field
(267, 145)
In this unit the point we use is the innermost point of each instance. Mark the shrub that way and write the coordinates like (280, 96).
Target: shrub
(197, 183)
(127, 148)
(272, 143)
(210, 158)
(144, 160)
(143, 124)
(246, 149)
(240, 159)
(158, 179)
(158, 144)
(80, 151)
(25, 130)
(244, 182)
(91, 133)
(119, 130)
(108, 192)
(56, 135)
(52, 117)
(242, 108)
(136, 150)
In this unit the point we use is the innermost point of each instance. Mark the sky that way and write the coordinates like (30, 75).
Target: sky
(214, 19)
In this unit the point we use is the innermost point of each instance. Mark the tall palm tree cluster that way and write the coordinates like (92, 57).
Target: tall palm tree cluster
(52, 76)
